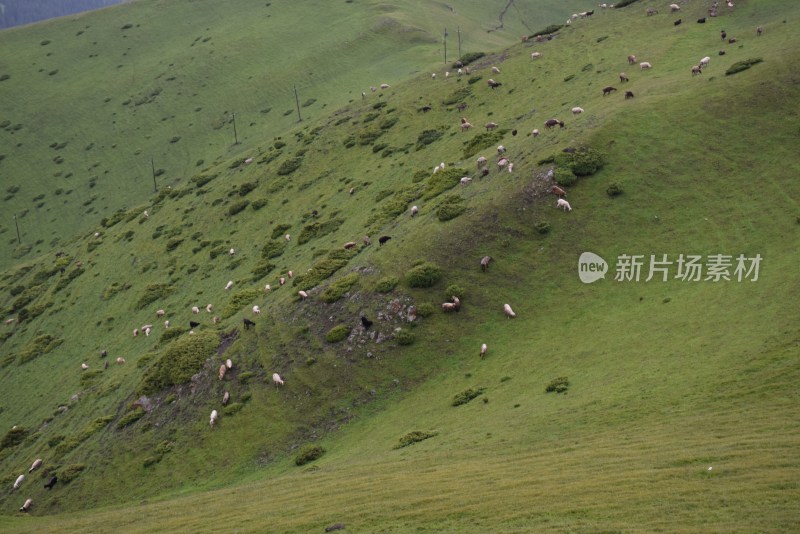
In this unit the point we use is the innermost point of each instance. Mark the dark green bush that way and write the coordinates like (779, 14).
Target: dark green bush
(558, 385)
(336, 290)
(388, 123)
(70, 473)
(468, 58)
(419, 176)
(739, 66)
(280, 230)
(387, 284)
(245, 377)
(239, 300)
(39, 346)
(309, 453)
(442, 181)
(237, 206)
(414, 437)
(427, 137)
(273, 249)
(246, 188)
(232, 408)
(154, 292)
(565, 177)
(423, 275)
(318, 229)
(425, 309)
(337, 333)
(130, 417)
(262, 269)
(450, 208)
(259, 203)
(323, 269)
(542, 227)
(474, 79)
(405, 337)
(289, 166)
(173, 243)
(466, 396)
(180, 360)
(458, 95)
(13, 437)
(614, 189)
(367, 137)
(454, 290)
(170, 334)
(482, 141)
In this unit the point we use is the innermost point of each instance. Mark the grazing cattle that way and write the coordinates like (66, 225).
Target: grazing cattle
(508, 311)
(628, 94)
(484, 350)
(222, 370)
(27, 506)
(383, 239)
(277, 380)
(557, 191)
(485, 262)
(366, 323)
(631, 60)
(550, 123)
(19, 481)
(644, 65)
(247, 323)
(562, 203)
(51, 482)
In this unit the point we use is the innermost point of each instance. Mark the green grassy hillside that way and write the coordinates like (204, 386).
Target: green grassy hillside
(93, 105)
(680, 412)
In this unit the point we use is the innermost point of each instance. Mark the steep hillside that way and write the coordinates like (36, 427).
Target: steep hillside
(677, 407)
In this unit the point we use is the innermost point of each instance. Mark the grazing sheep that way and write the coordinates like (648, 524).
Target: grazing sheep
(651, 11)
(231, 252)
(367, 240)
(550, 123)
(481, 162)
(103, 354)
(448, 307)
(623, 77)
(166, 323)
(493, 84)
(349, 245)
(195, 309)
(465, 125)
(288, 237)
(335, 526)
(53, 480)
(365, 322)
(644, 65)
(135, 332)
(495, 70)
(484, 172)
(229, 363)
(484, 350)
(213, 418)
(215, 319)
(373, 88)
(485, 263)
(277, 380)
(501, 149)
(562, 203)
(120, 361)
(433, 75)
(222, 371)
(704, 62)
(282, 280)
(383, 239)
(19, 481)
(628, 94)
(105, 365)
(557, 191)
(209, 308)
(10, 321)
(536, 55)
(535, 132)
(674, 7)
(502, 163)
(577, 111)
(27, 506)
(290, 274)
(508, 311)
(465, 180)
(146, 215)
(84, 366)
(267, 288)
(732, 40)
(425, 109)
(256, 309)
(193, 324)
(247, 323)
(384, 86)
(225, 398)
(510, 167)
(229, 285)
(462, 105)
(631, 60)
(759, 30)
(696, 69)
(302, 294)
(723, 34)
(414, 210)
(608, 90)
(160, 313)
(491, 126)
(677, 22)
(701, 20)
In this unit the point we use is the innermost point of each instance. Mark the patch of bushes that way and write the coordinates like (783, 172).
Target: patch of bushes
(466, 396)
(442, 181)
(262, 269)
(239, 300)
(387, 284)
(564, 176)
(317, 229)
(739, 66)
(13, 437)
(405, 337)
(246, 188)
(237, 206)
(70, 473)
(88, 377)
(289, 166)
(614, 189)
(458, 95)
(309, 453)
(173, 243)
(468, 58)
(542, 227)
(179, 362)
(450, 208)
(423, 275)
(367, 137)
(427, 137)
(130, 417)
(388, 123)
(336, 290)
(553, 28)
(337, 333)
(169, 334)
(280, 230)
(454, 290)
(414, 437)
(558, 385)
(232, 408)
(323, 269)
(582, 162)
(200, 180)
(426, 309)
(482, 141)
(273, 249)
(154, 292)
(244, 377)
(39, 346)
(259, 203)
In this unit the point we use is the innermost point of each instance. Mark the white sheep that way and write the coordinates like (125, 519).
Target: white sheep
(225, 398)
(36, 464)
(484, 349)
(20, 480)
(448, 307)
(209, 308)
(384, 86)
(267, 288)
(229, 363)
(281, 280)
(277, 380)
(302, 294)
(27, 506)
(536, 55)
(562, 203)
(160, 313)
(229, 285)
(195, 309)
(135, 332)
(414, 210)
(460, 72)
(508, 311)
(290, 274)
(147, 332)
(166, 323)
(501, 149)
(704, 61)
(465, 180)
(510, 167)
(215, 319)
(441, 165)
(447, 74)
(481, 162)
(502, 163)
(288, 237)
(535, 132)
(231, 252)
(213, 418)
(577, 111)
(644, 65)
(256, 309)
(120, 360)
(674, 7)
(433, 75)
(84, 366)
(495, 70)
(222, 371)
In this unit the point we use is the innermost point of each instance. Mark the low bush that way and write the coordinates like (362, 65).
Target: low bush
(414, 437)
(154, 292)
(289, 166)
(614, 189)
(387, 284)
(468, 58)
(280, 231)
(553, 28)
(405, 337)
(237, 206)
(565, 177)
(337, 333)
(427, 137)
(482, 141)
(423, 275)
(180, 360)
(336, 290)
(309, 453)
(425, 309)
(542, 227)
(13, 437)
(450, 208)
(130, 417)
(70, 473)
(454, 290)
(739, 66)
(442, 181)
(558, 385)
(466, 396)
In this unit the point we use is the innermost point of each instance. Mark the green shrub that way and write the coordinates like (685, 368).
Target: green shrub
(154, 292)
(280, 231)
(237, 206)
(739, 66)
(232, 408)
(565, 177)
(130, 417)
(586, 161)
(318, 229)
(379, 105)
(553, 28)
(442, 181)
(387, 284)
(614, 189)
(323, 269)
(419, 176)
(458, 95)
(451, 207)
(289, 166)
(89, 376)
(273, 249)
(336, 290)
(623, 3)
(309, 453)
(245, 377)
(427, 137)
(542, 227)
(13, 437)
(426, 309)
(414, 437)
(200, 180)
(180, 360)
(239, 300)
(170, 334)
(468, 58)
(482, 141)
(474, 79)
(262, 269)
(454, 290)
(423, 275)
(337, 333)
(557, 385)
(367, 137)
(173, 243)
(70, 473)
(39, 346)
(151, 460)
(466, 396)
(405, 337)
(388, 123)
(259, 203)
(246, 188)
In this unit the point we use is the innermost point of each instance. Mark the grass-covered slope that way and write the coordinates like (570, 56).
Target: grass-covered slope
(665, 379)
(92, 106)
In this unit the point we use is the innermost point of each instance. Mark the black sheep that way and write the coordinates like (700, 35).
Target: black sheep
(366, 322)
(383, 239)
(193, 324)
(52, 482)
(248, 323)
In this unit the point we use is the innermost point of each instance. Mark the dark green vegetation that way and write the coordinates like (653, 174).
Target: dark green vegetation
(667, 378)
